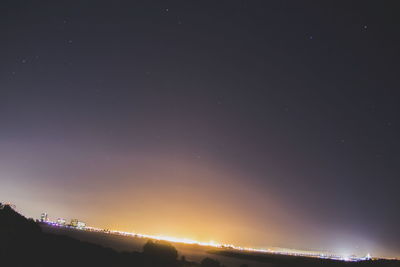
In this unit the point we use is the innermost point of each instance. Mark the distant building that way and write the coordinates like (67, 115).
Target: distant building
(61, 221)
(81, 225)
(43, 217)
(74, 222)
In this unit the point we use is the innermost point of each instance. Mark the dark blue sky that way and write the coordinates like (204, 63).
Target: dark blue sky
(286, 112)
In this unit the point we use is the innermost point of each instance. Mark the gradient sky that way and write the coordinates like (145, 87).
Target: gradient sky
(254, 123)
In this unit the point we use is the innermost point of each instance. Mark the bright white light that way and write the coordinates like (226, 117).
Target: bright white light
(291, 252)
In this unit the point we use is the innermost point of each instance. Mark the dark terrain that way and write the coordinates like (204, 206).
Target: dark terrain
(23, 243)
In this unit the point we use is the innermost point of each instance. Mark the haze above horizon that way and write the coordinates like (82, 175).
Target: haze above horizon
(249, 122)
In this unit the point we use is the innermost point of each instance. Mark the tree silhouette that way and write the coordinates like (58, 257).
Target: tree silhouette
(160, 250)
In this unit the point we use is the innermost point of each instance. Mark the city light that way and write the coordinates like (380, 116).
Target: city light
(289, 252)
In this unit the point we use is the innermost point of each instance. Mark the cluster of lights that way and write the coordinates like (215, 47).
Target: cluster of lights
(219, 245)
(233, 247)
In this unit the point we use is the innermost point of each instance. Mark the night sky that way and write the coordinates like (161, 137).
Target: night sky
(258, 123)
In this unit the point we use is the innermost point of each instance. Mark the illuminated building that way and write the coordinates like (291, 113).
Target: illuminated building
(80, 225)
(290, 252)
(61, 221)
(74, 222)
(43, 217)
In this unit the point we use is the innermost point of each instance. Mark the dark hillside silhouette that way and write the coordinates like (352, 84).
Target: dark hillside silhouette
(22, 243)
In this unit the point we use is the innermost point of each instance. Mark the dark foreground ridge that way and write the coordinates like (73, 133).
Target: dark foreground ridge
(22, 243)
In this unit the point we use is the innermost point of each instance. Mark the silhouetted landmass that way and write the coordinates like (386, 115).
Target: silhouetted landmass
(284, 260)
(22, 243)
